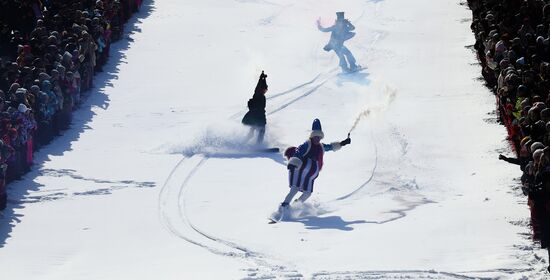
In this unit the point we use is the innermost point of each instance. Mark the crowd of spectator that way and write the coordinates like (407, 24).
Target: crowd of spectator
(49, 52)
(513, 45)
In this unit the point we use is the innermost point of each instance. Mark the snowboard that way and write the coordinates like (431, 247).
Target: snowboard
(358, 69)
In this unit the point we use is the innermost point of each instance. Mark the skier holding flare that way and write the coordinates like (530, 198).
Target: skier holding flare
(304, 165)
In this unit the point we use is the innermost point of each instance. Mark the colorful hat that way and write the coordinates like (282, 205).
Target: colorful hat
(316, 129)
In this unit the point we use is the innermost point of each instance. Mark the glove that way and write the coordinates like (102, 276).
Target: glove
(345, 142)
(501, 157)
(290, 167)
(263, 76)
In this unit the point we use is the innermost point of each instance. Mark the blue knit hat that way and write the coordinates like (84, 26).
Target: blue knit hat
(316, 129)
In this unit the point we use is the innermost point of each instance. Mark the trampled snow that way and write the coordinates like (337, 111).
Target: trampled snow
(157, 178)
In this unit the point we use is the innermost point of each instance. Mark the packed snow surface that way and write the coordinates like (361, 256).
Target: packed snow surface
(157, 178)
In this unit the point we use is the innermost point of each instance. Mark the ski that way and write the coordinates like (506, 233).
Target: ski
(277, 216)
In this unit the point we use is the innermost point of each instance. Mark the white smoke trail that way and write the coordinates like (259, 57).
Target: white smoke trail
(362, 115)
(389, 94)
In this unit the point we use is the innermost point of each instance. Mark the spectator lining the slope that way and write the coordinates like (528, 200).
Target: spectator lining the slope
(513, 46)
(49, 52)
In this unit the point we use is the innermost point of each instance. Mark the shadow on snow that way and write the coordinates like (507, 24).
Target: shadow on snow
(18, 191)
(330, 222)
(360, 78)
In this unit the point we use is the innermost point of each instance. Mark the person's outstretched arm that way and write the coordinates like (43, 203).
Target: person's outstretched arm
(509, 159)
(335, 146)
(324, 29)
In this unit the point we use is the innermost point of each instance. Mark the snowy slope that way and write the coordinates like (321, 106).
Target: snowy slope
(152, 181)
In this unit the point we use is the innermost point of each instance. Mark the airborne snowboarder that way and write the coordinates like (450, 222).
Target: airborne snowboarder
(304, 165)
(341, 31)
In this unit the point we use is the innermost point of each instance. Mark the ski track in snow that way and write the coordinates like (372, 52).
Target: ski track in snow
(185, 227)
(399, 213)
(298, 88)
(264, 268)
(326, 77)
(354, 192)
(42, 196)
(169, 202)
(395, 274)
(182, 227)
(294, 88)
(166, 219)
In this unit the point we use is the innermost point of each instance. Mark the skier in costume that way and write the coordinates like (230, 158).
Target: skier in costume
(341, 31)
(255, 117)
(306, 161)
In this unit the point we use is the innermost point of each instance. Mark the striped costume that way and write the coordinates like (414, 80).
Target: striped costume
(308, 161)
